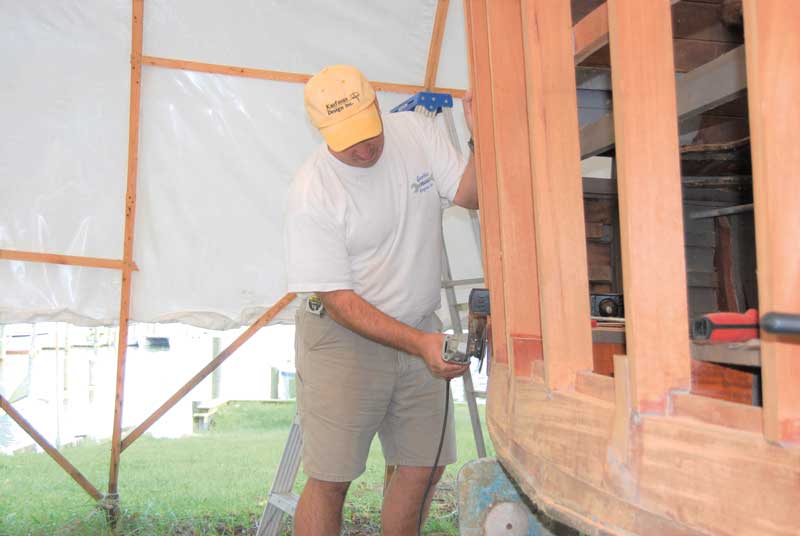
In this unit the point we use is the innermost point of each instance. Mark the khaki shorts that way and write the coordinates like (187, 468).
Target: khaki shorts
(349, 388)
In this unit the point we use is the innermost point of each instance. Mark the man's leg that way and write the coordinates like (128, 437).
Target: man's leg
(402, 499)
(319, 510)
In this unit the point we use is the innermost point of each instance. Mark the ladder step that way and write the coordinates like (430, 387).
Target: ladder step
(447, 283)
(286, 502)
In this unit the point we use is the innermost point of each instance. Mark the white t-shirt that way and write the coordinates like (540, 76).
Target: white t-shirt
(377, 230)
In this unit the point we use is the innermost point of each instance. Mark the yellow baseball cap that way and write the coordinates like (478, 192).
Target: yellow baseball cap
(341, 103)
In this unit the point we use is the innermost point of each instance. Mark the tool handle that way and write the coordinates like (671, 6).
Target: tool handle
(781, 323)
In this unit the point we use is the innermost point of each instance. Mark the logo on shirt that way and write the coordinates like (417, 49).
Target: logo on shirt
(423, 183)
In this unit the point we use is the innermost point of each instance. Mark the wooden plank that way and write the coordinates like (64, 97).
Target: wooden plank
(718, 412)
(517, 229)
(596, 385)
(680, 475)
(557, 188)
(715, 83)
(590, 34)
(723, 382)
(650, 202)
(195, 380)
(689, 54)
(435, 48)
(603, 356)
(137, 32)
(773, 76)
(59, 458)
(485, 164)
(279, 76)
(69, 260)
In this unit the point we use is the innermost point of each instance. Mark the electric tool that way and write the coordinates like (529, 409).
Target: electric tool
(463, 347)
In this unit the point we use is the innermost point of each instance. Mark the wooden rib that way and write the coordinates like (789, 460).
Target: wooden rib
(70, 260)
(435, 48)
(773, 76)
(130, 213)
(279, 76)
(487, 172)
(718, 412)
(50, 449)
(590, 34)
(650, 202)
(513, 168)
(557, 188)
(262, 321)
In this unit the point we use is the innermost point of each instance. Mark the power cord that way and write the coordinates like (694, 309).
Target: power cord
(436, 461)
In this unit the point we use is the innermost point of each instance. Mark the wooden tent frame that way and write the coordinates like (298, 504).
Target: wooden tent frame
(126, 265)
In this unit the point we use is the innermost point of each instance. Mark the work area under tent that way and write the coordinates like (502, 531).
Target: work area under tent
(150, 144)
(145, 177)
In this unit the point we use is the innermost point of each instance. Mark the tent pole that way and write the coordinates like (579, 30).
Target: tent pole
(435, 48)
(112, 497)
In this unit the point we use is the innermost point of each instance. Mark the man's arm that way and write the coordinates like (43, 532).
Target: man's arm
(353, 312)
(467, 193)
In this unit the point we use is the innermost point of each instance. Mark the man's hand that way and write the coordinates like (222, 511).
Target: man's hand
(431, 353)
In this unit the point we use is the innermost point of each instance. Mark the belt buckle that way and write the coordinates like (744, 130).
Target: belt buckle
(314, 305)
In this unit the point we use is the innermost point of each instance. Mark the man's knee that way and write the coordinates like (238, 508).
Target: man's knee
(418, 475)
(328, 489)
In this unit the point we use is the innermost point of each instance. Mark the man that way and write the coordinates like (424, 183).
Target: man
(364, 236)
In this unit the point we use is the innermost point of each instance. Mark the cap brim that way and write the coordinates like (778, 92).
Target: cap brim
(364, 125)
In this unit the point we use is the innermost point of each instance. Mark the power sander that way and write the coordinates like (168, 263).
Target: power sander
(460, 348)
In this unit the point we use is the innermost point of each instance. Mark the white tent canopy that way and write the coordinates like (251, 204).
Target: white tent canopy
(216, 152)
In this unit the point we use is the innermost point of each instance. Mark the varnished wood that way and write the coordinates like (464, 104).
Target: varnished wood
(773, 76)
(51, 451)
(435, 48)
(557, 188)
(127, 256)
(280, 76)
(650, 202)
(69, 260)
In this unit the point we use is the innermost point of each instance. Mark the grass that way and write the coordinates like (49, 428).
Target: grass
(214, 483)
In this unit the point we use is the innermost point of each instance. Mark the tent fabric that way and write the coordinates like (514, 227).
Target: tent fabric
(216, 152)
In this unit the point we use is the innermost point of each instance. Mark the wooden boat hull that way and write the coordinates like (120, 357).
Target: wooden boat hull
(601, 471)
